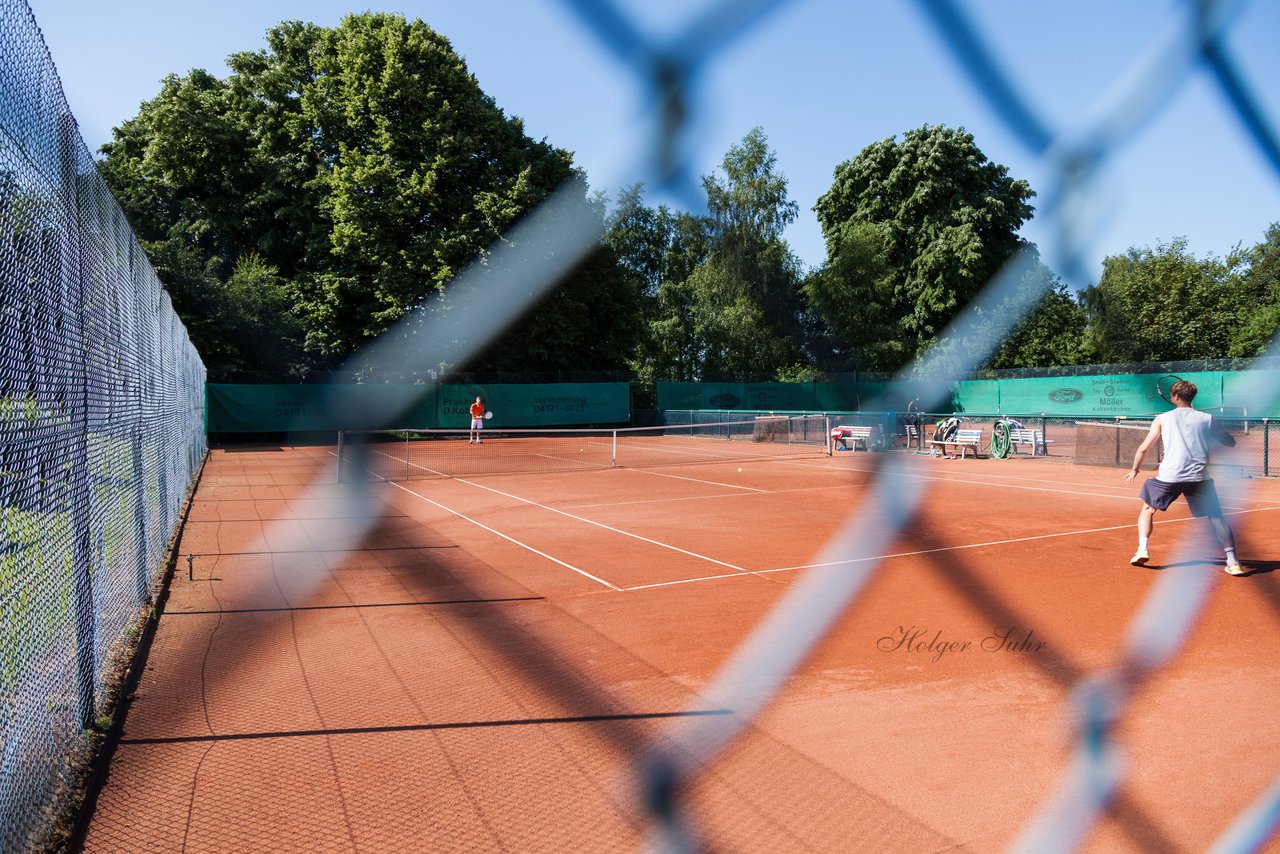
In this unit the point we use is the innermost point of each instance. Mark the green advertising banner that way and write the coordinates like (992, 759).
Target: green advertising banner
(1098, 396)
(766, 397)
(1238, 387)
(536, 405)
(236, 408)
(1105, 396)
(281, 408)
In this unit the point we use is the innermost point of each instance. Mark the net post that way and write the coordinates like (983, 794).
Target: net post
(341, 442)
(1266, 447)
(614, 459)
(827, 444)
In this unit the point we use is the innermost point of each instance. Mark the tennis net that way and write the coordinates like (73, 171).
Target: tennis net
(1099, 443)
(408, 454)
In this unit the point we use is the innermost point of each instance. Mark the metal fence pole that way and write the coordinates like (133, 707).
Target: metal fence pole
(341, 438)
(1266, 447)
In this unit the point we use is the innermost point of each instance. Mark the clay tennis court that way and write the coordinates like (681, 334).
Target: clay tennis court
(486, 670)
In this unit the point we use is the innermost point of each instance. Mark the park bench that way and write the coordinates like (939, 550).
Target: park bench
(848, 438)
(962, 441)
(1034, 438)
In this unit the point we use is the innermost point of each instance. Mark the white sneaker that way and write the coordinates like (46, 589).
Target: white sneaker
(1234, 569)
(1140, 558)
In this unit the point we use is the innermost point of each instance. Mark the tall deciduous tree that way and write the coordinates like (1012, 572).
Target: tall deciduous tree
(1053, 332)
(852, 295)
(948, 218)
(661, 248)
(363, 163)
(747, 293)
(1165, 304)
(1262, 283)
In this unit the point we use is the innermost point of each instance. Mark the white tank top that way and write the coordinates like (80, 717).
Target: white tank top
(1184, 438)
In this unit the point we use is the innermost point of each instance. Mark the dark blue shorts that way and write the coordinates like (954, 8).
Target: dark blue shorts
(1202, 498)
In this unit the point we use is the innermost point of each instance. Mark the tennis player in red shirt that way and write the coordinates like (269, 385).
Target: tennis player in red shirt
(477, 422)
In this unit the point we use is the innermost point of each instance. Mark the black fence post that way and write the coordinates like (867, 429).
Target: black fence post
(1266, 447)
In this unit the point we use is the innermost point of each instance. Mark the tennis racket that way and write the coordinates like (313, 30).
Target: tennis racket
(1164, 387)
(488, 415)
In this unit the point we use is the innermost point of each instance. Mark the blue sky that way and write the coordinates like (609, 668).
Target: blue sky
(823, 78)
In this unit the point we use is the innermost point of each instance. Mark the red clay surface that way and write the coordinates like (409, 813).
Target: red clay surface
(486, 670)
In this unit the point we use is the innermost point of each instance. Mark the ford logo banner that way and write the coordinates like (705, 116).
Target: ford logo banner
(1065, 395)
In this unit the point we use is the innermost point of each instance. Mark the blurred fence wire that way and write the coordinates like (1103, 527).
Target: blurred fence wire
(1194, 39)
(101, 432)
(100, 397)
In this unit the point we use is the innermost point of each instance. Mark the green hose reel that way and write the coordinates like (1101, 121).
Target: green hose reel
(1000, 443)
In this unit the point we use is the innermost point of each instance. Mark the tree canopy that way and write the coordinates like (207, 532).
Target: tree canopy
(945, 220)
(724, 293)
(339, 178)
(1166, 304)
(364, 166)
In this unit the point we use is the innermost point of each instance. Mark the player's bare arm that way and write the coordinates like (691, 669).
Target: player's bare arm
(1152, 437)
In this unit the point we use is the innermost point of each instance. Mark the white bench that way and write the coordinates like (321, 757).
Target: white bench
(963, 440)
(850, 437)
(1034, 438)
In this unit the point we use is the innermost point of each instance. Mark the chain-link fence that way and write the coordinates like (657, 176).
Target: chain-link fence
(101, 432)
(77, 449)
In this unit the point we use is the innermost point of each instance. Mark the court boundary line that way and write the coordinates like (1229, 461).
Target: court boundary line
(741, 571)
(990, 485)
(641, 537)
(960, 547)
(708, 497)
(697, 480)
(477, 523)
(711, 457)
(509, 539)
(994, 477)
(533, 503)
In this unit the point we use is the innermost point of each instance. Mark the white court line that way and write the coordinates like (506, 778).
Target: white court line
(998, 542)
(985, 483)
(1000, 478)
(562, 513)
(705, 497)
(581, 465)
(698, 480)
(926, 551)
(509, 539)
(994, 484)
(604, 526)
(526, 546)
(726, 457)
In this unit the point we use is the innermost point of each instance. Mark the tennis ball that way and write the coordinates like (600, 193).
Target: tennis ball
(739, 469)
